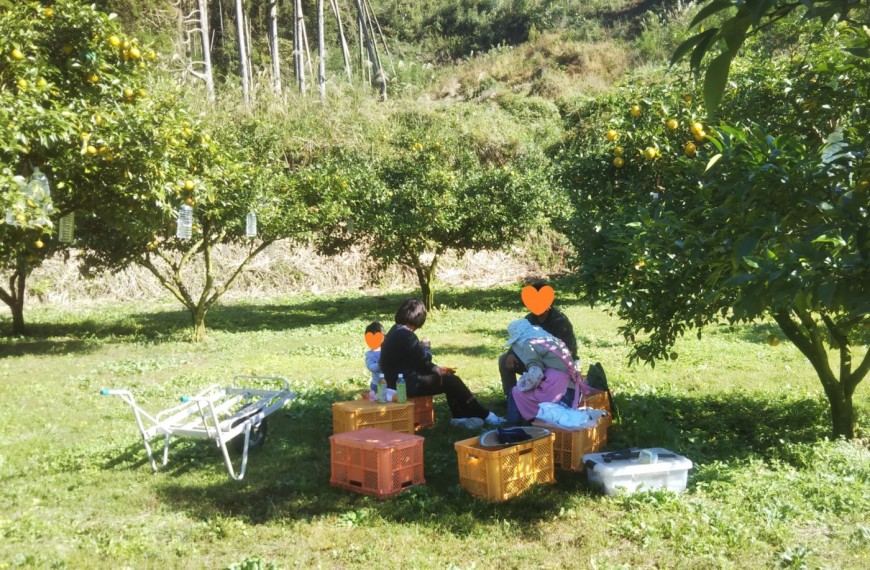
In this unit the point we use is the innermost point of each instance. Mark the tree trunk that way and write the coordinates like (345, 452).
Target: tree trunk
(14, 298)
(273, 44)
(808, 338)
(243, 57)
(426, 278)
(198, 317)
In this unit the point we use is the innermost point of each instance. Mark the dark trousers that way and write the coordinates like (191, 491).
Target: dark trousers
(460, 400)
(509, 374)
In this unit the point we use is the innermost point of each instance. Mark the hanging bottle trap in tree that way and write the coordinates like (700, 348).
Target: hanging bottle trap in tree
(184, 227)
(251, 224)
(66, 228)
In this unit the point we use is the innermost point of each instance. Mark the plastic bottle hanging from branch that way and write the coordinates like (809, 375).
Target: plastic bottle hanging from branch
(184, 226)
(251, 224)
(66, 228)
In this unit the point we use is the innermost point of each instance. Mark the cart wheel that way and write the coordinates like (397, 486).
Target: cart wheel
(258, 437)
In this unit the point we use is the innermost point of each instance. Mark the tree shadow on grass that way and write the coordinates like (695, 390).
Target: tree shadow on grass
(289, 478)
(174, 325)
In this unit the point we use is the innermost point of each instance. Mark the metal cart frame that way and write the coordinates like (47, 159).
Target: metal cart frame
(217, 413)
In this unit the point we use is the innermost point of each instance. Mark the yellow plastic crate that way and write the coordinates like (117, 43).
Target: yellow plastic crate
(596, 399)
(570, 446)
(357, 414)
(376, 462)
(424, 412)
(500, 474)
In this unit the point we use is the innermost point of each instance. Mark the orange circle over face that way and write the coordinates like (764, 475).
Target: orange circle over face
(374, 340)
(538, 301)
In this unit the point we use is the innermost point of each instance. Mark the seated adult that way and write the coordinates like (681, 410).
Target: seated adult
(552, 321)
(403, 353)
(549, 369)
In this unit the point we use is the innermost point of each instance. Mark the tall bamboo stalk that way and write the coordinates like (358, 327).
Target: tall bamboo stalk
(273, 45)
(345, 53)
(299, 42)
(321, 52)
(205, 39)
(243, 57)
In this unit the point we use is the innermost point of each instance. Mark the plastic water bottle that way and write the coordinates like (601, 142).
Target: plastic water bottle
(402, 389)
(184, 227)
(251, 225)
(382, 389)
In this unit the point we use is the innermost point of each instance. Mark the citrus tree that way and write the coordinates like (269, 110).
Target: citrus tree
(764, 214)
(63, 67)
(427, 191)
(172, 162)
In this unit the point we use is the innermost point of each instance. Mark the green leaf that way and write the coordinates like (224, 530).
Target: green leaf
(688, 44)
(709, 10)
(701, 49)
(712, 162)
(715, 80)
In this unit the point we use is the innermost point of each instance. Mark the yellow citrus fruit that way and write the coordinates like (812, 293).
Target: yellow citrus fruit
(697, 127)
(91, 149)
(618, 151)
(690, 149)
(700, 135)
(22, 84)
(862, 184)
(16, 54)
(687, 98)
(125, 44)
(128, 93)
(190, 201)
(20, 218)
(135, 53)
(611, 135)
(672, 124)
(41, 83)
(189, 185)
(99, 120)
(94, 78)
(38, 244)
(618, 162)
(635, 111)
(650, 153)
(49, 12)
(151, 54)
(114, 41)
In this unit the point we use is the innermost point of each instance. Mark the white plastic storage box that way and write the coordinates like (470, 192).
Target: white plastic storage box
(634, 469)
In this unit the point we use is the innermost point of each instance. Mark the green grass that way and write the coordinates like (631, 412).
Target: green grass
(767, 490)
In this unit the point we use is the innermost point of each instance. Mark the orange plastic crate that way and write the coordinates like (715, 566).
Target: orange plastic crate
(376, 462)
(358, 414)
(570, 446)
(424, 412)
(500, 474)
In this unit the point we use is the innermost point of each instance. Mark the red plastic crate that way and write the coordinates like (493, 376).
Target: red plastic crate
(358, 414)
(376, 462)
(424, 412)
(571, 445)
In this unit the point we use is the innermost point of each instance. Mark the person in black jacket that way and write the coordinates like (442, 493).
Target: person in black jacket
(554, 322)
(402, 352)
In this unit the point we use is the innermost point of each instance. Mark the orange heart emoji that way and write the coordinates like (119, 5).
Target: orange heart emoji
(538, 301)
(374, 340)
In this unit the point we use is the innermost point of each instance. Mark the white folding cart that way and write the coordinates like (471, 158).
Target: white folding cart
(233, 416)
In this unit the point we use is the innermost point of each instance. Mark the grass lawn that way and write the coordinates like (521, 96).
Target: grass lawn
(767, 489)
